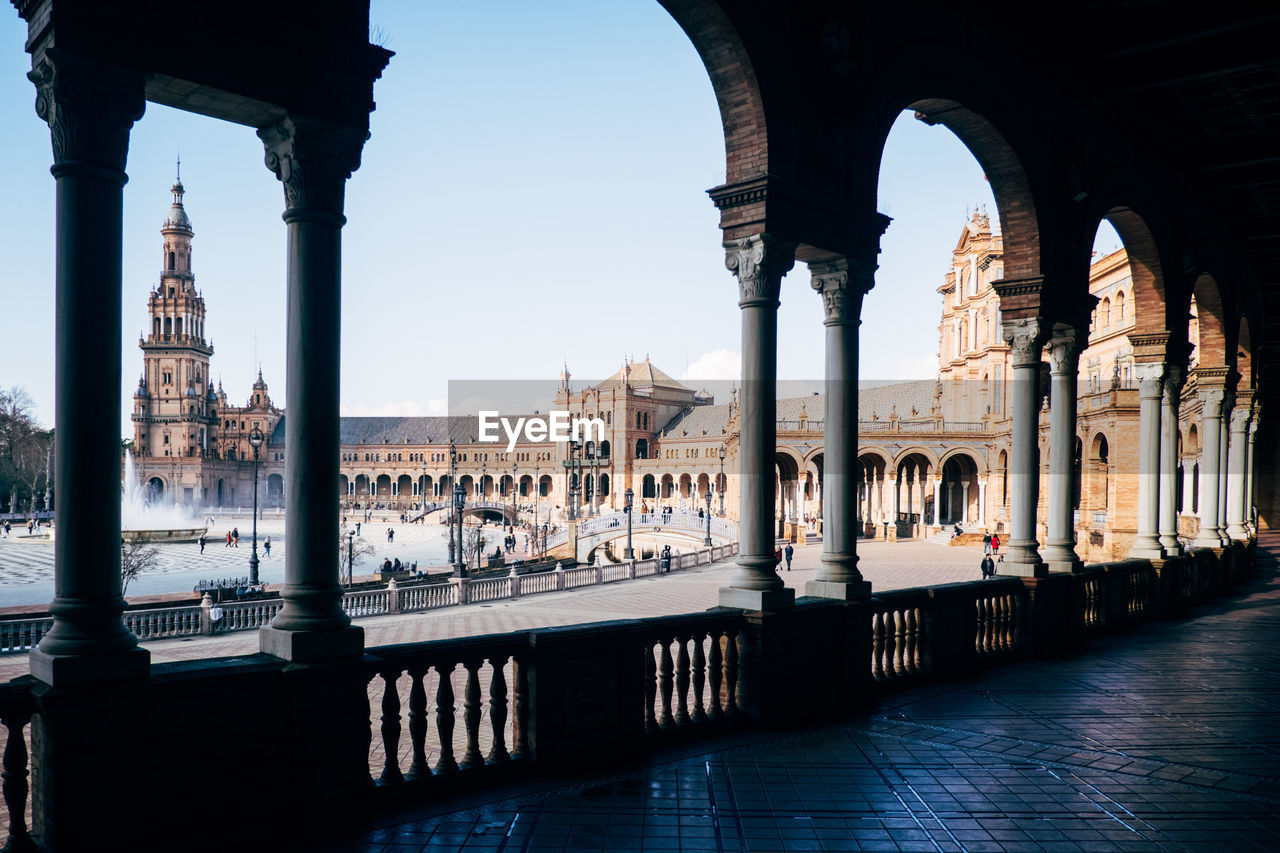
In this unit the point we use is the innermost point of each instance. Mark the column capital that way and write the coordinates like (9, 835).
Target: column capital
(1174, 376)
(842, 283)
(1211, 402)
(1150, 376)
(1063, 349)
(759, 262)
(1025, 338)
(90, 109)
(1240, 418)
(313, 160)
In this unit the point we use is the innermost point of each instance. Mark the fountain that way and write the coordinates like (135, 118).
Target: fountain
(139, 518)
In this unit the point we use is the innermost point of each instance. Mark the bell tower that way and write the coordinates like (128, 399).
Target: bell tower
(172, 411)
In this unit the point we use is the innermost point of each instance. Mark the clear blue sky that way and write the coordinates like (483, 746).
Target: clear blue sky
(532, 193)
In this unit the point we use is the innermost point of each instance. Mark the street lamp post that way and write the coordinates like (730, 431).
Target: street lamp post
(537, 488)
(351, 552)
(544, 538)
(453, 480)
(722, 483)
(707, 542)
(628, 496)
(255, 441)
(515, 489)
(422, 490)
(459, 501)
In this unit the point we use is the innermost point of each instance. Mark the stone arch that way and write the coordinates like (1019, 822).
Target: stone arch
(154, 489)
(1211, 344)
(362, 484)
(1099, 473)
(737, 90)
(404, 485)
(1147, 288)
(642, 448)
(605, 495)
(958, 491)
(686, 486)
(544, 486)
(275, 488)
(1244, 355)
(648, 487)
(667, 486)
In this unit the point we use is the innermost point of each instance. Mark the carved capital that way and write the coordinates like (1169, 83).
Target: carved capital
(1174, 376)
(1211, 402)
(313, 160)
(1150, 376)
(1064, 350)
(1240, 417)
(1025, 338)
(759, 261)
(90, 109)
(842, 283)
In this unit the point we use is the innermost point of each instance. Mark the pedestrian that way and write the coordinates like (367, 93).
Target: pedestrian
(357, 528)
(201, 543)
(986, 542)
(228, 545)
(789, 553)
(988, 567)
(266, 546)
(777, 557)
(235, 537)
(995, 543)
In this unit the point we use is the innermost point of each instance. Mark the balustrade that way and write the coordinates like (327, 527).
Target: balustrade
(17, 706)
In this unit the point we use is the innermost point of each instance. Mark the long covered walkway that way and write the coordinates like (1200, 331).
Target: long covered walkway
(1161, 739)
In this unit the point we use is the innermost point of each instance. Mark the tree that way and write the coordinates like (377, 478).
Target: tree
(472, 542)
(359, 549)
(25, 452)
(137, 555)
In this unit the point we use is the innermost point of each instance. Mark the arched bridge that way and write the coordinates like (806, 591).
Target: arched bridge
(475, 509)
(594, 532)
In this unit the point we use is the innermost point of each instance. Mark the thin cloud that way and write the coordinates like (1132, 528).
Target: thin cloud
(716, 364)
(403, 409)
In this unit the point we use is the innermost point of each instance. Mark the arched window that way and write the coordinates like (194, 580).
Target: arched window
(172, 258)
(1120, 308)
(1105, 312)
(642, 449)
(646, 420)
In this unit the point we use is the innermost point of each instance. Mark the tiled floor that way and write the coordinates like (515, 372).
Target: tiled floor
(1165, 739)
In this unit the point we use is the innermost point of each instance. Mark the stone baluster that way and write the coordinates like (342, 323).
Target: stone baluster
(666, 683)
(877, 645)
(913, 641)
(1064, 366)
(444, 720)
(759, 262)
(732, 673)
(1025, 338)
(1210, 437)
(498, 709)
(519, 731)
(1237, 451)
(1168, 510)
(899, 643)
(390, 729)
(682, 680)
(715, 674)
(418, 768)
(699, 713)
(90, 109)
(472, 709)
(312, 160)
(15, 786)
(650, 689)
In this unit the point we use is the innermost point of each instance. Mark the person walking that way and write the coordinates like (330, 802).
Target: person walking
(266, 546)
(988, 567)
(235, 537)
(789, 552)
(201, 540)
(986, 542)
(228, 545)
(995, 543)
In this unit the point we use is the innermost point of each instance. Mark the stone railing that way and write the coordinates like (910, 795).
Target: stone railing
(494, 707)
(21, 635)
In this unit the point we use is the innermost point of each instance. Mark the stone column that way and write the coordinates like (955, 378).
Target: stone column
(1249, 474)
(759, 262)
(90, 109)
(1188, 485)
(1237, 450)
(842, 284)
(1025, 338)
(1150, 393)
(1224, 438)
(964, 502)
(313, 161)
(1210, 437)
(982, 504)
(1064, 367)
(936, 483)
(1168, 510)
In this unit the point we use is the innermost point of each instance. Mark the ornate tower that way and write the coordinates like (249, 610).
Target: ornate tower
(172, 410)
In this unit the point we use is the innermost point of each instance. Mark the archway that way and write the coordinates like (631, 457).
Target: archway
(958, 491)
(275, 489)
(154, 490)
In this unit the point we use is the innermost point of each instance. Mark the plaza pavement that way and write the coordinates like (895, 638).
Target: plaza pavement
(888, 565)
(1164, 739)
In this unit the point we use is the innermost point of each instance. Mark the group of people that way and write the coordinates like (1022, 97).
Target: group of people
(990, 554)
(233, 541)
